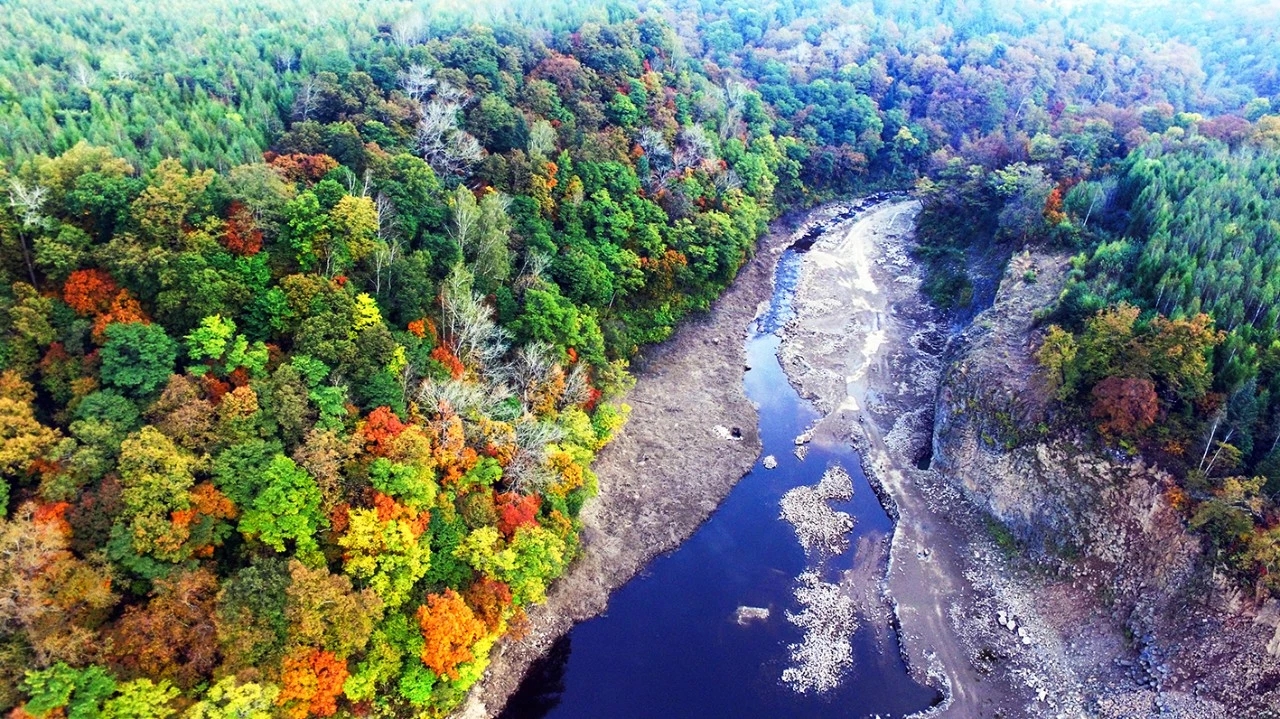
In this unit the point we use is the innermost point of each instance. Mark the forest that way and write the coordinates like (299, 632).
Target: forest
(313, 319)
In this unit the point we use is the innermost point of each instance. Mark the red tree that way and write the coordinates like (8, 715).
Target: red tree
(1124, 406)
(380, 429)
(516, 510)
(489, 599)
(89, 292)
(312, 682)
(242, 235)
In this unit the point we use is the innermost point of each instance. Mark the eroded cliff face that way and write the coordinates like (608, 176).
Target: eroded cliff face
(1097, 528)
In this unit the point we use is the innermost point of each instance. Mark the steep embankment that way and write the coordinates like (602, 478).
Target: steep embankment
(666, 473)
(1150, 631)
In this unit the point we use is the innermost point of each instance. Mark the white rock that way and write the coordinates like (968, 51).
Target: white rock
(770, 462)
(745, 615)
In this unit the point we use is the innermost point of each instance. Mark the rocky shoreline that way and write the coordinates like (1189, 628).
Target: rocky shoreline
(984, 610)
(866, 348)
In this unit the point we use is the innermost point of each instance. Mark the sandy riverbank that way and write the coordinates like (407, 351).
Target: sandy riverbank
(669, 469)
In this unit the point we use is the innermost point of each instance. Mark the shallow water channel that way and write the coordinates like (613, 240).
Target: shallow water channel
(670, 644)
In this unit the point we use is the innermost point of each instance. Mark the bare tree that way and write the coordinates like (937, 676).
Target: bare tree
(82, 75)
(542, 141)
(285, 60)
(531, 368)
(532, 270)
(735, 96)
(448, 149)
(577, 386)
(464, 151)
(466, 398)
(408, 30)
(468, 324)
(28, 202)
(694, 148)
(466, 218)
(438, 120)
(726, 181)
(389, 248)
(119, 65)
(528, 468)
(307, 101)
(417, 82)
(661, 161)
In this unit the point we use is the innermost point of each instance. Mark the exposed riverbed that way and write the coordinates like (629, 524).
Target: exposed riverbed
(748, 617)
(705, 631)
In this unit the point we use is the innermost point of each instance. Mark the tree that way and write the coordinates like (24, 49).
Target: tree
(312, 681)
(137, 358)
(386, 549)
(156, 479)
(48, 596)
(1125, 406)
(173, 636)
(22, 438)
(286, 509)
(1179, 353)
(252, 625)
(1057, 356)
(78, 692)
(89, 292)
(166, 203)
(232, 699)
(141, 699)
(325, 612)
(450, 628)
(355, 223)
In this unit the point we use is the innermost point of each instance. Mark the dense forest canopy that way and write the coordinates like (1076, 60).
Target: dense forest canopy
(314, 317)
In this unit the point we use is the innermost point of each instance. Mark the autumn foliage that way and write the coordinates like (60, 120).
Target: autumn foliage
(242, 236)
(490, 600)
(450, 361)
(124, 309)
(449, 628)
(297, 167)
(89, 292)
(311, 683)
(1124, 406)
(380, 430)
(516, 510)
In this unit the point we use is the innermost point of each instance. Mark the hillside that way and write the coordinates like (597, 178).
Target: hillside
(314, 319)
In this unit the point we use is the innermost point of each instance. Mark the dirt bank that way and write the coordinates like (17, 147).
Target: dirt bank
(866, 349)
(668, 470)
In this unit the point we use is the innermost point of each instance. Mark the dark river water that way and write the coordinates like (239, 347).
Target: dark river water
(669, 644)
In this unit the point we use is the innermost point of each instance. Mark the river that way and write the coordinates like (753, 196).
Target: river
(670, 644)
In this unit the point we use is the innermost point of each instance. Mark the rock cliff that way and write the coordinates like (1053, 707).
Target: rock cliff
(1124, 582)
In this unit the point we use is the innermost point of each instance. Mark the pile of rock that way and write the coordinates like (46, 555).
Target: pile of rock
(822, 659)
(817, 525)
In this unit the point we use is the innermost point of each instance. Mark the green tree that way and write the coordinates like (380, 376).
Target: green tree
(137, 358)
(286, 509)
